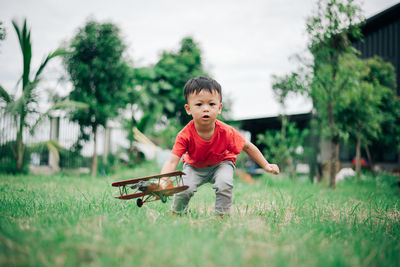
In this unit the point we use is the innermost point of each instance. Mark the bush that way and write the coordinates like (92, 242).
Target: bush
(8, 164)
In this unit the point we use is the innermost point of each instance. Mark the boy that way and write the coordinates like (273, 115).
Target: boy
(209, 147)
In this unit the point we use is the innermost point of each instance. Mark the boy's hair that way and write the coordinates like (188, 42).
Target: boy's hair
(195, 85)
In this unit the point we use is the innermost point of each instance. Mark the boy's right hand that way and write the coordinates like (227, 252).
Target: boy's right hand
(164, 183)
(272, 168)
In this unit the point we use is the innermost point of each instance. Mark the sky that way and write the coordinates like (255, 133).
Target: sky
(243, 43)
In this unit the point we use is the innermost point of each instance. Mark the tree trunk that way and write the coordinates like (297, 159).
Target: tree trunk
(370, 159)
(20, 144)
(290, 159)
(20, 151)
(334, 161)
(358, 157)
(94, 158)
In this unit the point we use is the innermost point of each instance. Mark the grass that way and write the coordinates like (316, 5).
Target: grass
(68, 220)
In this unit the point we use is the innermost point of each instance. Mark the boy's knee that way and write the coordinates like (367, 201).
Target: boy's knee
(224, 178)
(188, 193)
(223, 186)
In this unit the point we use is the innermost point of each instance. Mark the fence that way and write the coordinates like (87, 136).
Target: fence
(109, 141)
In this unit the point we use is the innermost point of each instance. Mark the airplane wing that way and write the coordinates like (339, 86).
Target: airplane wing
(170, 191)
(130, 196)
(134, 181)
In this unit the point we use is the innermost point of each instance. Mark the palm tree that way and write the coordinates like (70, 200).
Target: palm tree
(20, 107)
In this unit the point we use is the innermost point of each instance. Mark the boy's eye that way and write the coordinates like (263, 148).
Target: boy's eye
(198, 104)
(212, 104)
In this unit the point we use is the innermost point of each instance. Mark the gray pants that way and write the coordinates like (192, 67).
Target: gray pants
(221, 177)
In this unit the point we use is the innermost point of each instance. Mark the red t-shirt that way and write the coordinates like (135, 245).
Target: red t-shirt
(225, 144)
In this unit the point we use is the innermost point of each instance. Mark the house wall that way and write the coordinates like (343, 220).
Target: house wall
(382, 38)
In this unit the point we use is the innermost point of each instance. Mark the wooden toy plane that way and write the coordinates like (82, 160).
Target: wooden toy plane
(147, 189)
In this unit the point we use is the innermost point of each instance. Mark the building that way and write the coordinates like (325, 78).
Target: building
(382, 38)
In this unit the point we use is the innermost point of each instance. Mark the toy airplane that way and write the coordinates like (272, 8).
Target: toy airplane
(147, 189)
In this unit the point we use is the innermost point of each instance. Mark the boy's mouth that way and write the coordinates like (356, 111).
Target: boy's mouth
(206, 117)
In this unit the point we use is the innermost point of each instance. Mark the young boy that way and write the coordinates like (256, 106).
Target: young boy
(209, 148)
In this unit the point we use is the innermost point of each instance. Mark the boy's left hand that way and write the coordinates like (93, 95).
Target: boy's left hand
(272, 168)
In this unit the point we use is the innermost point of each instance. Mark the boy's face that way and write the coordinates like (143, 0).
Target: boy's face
(204, 107)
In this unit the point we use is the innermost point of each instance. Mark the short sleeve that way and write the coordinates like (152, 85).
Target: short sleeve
(181, 145)
(237, 142)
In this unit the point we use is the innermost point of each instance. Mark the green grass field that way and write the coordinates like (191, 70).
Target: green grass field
(68, 220)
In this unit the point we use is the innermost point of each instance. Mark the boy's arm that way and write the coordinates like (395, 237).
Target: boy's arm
(169, 166)
(258, 157)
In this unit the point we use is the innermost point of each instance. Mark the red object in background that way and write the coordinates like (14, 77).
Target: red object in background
(363, 162)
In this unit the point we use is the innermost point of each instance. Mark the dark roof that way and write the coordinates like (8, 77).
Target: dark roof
(381, 19)
(260, 125)
(301, 120)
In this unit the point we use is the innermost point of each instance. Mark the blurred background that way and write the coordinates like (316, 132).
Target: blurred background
(89, 86)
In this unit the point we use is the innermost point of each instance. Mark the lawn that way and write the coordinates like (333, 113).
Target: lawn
(67, 220)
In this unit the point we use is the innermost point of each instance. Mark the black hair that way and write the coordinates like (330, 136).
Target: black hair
(195, 85)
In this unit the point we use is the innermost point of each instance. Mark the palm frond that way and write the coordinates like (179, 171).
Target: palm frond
(24, 38)
(28, 91)
(58, 52)
(4, 95)
(67, 104)
(17, 107)
(14, 23)
(62, 105)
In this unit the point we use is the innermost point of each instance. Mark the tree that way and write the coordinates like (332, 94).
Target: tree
(290, 138)
(382, 76)
(359, 112)
(284, 146)
(172, 72)
(100, 76)
(25, 102)
(330, 31)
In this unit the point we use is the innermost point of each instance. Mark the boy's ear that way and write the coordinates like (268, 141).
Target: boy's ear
(187, 108)
(220, 108)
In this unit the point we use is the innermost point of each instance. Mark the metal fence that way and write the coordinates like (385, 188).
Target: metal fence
(109, 141)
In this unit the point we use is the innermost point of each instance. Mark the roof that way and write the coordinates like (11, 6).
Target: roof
(381, 19)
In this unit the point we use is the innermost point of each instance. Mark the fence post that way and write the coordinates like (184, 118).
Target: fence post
(54, 162)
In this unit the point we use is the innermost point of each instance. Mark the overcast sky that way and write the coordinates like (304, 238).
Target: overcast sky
(243, 42)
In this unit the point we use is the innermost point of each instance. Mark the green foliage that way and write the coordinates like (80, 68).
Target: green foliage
(156, 101)
(98, 71)
(8, 164)
(368, 110)
(283, 147)
(331, 30)
(147, 100)
(109, 166)
(382, 76)
(165, 137)
(27, 103)
(70, 159)
(75, 221)
(358, 112)
(172, 72)
(286, 85)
